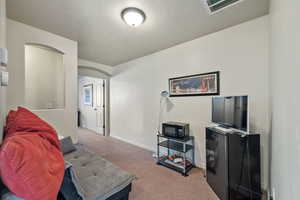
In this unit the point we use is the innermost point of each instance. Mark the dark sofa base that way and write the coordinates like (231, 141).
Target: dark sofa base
(122, 195)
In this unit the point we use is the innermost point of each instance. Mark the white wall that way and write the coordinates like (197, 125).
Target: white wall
(97, 66)
(64, 120)
(285, 98)
(2, 44)
(240, 53)
(44, 78)
(85, 71)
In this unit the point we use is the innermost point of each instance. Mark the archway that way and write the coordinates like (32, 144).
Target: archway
(94, 116)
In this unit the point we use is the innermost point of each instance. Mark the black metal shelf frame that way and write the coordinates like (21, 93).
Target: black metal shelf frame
(181, 145)
(176, 146)
(178, 169)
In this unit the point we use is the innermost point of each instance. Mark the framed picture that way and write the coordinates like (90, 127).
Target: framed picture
(195, 85)
(88, 95)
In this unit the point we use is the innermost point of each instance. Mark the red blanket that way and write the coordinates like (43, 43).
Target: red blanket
(31, 162)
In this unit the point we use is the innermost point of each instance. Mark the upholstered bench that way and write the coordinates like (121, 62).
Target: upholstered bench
(99, 178)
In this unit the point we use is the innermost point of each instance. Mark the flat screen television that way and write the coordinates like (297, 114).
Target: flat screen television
(231, 112)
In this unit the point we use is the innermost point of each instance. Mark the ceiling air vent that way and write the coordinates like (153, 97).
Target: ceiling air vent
(215, 6)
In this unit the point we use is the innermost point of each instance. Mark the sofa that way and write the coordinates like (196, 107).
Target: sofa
(36, 164)
(98, 178)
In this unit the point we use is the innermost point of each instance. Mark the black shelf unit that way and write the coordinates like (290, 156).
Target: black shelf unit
(183, 146)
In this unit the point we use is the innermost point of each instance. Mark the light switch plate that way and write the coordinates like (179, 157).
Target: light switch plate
(273, 194)
(3, 56)
(4, 76)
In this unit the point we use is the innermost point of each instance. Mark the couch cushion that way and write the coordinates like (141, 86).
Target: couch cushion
(67, 145)
(98, 177)
(32, 165)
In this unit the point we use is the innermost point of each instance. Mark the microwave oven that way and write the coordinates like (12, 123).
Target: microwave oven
(175, 129)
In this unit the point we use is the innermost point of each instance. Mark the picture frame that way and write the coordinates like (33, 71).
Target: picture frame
(207, 84)
(88, 95)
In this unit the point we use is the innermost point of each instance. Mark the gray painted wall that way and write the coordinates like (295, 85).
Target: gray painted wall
(285, 98)
(2, 44)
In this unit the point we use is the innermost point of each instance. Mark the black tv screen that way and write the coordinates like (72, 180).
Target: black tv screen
(231, 112)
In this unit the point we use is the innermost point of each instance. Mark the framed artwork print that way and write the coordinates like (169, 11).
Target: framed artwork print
(195, 85)
(88, 95)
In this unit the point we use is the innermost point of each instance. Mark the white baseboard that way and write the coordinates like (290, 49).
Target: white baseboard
(134, 143)
(201, 165)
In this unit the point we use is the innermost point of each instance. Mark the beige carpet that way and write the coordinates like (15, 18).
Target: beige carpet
(154, 182)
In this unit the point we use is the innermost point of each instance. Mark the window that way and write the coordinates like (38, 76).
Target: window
(44, 78)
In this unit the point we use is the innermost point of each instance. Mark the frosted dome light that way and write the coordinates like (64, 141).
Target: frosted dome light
(133, 16)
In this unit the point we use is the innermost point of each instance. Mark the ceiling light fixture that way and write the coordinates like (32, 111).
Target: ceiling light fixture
(133, 16)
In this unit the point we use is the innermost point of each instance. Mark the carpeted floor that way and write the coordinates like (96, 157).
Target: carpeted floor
(154, 182)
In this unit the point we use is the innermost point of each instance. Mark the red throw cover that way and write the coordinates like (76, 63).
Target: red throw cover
(31, 162)
(10, 119)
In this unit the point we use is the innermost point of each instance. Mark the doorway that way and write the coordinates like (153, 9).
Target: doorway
(92, 104)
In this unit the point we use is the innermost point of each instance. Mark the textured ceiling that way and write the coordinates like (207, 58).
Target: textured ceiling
(104, 38)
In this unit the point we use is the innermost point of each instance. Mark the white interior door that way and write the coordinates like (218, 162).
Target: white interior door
(99, 106)
(92, 116)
